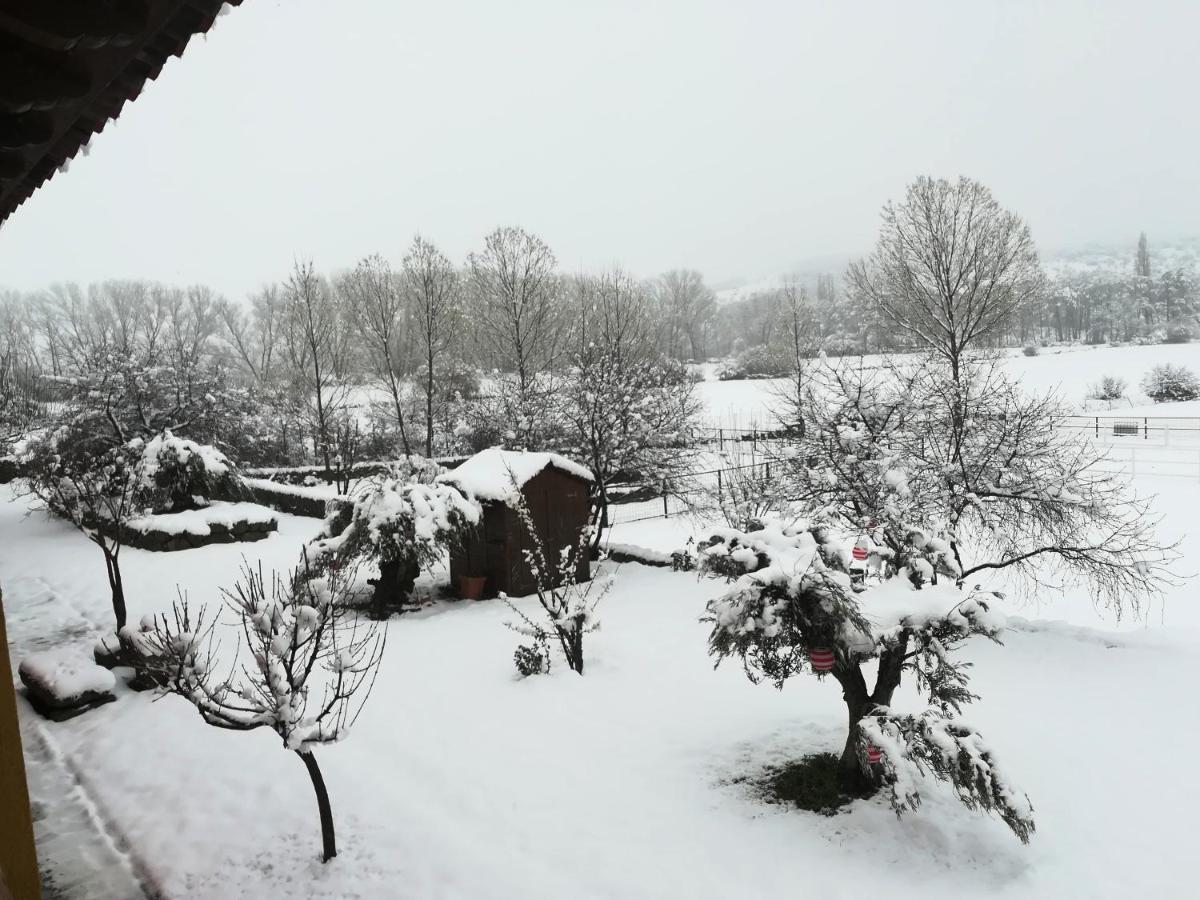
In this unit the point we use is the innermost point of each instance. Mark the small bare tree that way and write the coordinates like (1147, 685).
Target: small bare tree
(97, 492)
(376, 301)
(951, 267)
(312, 665)
(569, 604)
(431, 284)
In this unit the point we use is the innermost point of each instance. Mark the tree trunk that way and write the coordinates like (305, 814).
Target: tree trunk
(853, 778)
(396, 399)
(429, 410)
(118, 588)
(328, 844)
(602, 518)
(393, 586)
(858, 704)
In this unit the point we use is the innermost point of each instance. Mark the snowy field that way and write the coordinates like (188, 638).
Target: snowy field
(461, 781)
(1069, 371)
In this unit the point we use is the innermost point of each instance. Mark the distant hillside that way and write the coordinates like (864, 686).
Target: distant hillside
(1118, 258)
(1096, 257)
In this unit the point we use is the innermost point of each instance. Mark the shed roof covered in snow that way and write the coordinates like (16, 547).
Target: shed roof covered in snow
(494, 474)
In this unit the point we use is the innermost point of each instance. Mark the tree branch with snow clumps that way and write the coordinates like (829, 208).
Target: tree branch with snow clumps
(306, 671)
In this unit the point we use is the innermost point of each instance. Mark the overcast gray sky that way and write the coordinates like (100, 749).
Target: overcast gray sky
(737, 138)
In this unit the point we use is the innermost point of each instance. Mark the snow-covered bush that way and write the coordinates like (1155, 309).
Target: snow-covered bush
(399, 524)
(1109, 387)
(745, 490)
(179, 474)
(532, 659)
(1179, 334)
(759, 361)
(1169, 383)
(1031, 350)
(304, 667)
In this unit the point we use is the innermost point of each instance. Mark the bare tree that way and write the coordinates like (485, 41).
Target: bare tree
(311, 340)
(688, 305)
(253, 332)
(516, 300)
(951, 267)
(519, 319)
(377, 304)
(432, 287)
(305, 642)
(626, 409)
(803, 336)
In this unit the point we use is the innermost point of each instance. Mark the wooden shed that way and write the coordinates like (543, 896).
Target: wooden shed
(557, 493)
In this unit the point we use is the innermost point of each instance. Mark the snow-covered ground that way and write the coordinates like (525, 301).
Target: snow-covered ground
(461, 781)
(1069, 371)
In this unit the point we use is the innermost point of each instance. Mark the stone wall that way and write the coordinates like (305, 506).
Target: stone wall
(238, 532)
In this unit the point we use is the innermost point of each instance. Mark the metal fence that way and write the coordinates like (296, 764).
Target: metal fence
(1159, 446)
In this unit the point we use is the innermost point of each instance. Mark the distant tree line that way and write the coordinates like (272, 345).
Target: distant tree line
(423, 356)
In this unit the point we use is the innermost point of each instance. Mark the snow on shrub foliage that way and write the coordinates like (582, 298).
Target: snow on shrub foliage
(1110, 387)
(1168, 383)
(394, 519)
(177, 473)
(791, 593)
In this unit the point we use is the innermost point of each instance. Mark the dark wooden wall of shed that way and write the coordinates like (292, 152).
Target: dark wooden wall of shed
(559, 506)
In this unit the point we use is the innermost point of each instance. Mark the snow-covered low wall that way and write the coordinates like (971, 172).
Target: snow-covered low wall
(680, 559)
(220, 523)
(62, 683)
(294, 499)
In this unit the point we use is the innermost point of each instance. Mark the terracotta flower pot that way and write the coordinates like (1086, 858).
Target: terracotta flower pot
(470, 587)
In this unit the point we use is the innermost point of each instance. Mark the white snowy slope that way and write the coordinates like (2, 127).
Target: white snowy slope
(1068, 371)
(461, 781)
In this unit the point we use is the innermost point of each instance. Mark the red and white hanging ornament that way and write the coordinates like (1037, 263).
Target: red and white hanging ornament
(821, 659)
(874, 754)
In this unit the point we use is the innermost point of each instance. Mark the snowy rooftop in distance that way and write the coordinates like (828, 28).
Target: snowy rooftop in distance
(494, 474)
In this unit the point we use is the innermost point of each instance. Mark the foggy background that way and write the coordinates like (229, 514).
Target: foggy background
(741, 139)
